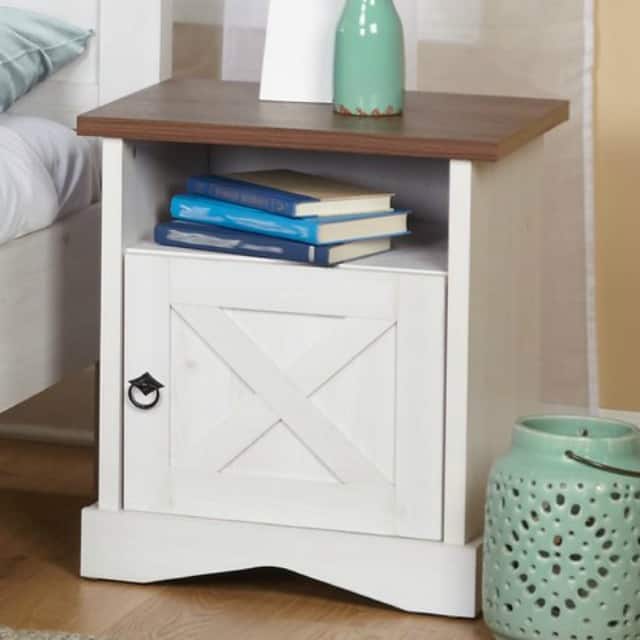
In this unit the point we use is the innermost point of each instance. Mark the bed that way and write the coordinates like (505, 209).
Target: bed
(49, 279)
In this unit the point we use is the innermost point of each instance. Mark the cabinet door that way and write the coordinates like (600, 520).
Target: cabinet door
(293, 395)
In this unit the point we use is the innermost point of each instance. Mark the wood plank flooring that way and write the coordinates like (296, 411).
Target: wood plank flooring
(43, 488)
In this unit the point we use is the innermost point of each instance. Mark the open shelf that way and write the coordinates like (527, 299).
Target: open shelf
(417, 253)
(413, 254)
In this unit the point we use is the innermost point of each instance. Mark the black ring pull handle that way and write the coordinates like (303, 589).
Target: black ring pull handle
(148, 386)
(602, 467)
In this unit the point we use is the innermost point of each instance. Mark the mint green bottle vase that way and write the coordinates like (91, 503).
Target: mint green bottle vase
(369, 69)
(562, 535)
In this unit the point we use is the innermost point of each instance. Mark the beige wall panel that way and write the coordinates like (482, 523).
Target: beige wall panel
(197, 50)
(618, 202)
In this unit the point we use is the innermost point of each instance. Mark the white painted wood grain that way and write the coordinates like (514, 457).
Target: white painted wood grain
(283, 287)
(311, 371)
(234, 380)
(228, 320)
(116, 160)
(48, 306)
(146, 442)
(139, 180)
(282, 395)
(419, 447)
(493, 346)
(426, 255)
(413, 575)
(278, 454)
(458, 327)
(285, 501)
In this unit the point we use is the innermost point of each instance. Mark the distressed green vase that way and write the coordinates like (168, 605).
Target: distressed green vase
(369, 74)
(562, 535)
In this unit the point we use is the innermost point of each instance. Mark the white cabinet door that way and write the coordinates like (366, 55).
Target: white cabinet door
(293, 395)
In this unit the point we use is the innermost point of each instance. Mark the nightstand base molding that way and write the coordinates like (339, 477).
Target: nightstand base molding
(412, 575)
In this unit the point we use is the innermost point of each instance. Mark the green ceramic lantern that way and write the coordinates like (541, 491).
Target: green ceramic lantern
(562, 537)
(369, 69)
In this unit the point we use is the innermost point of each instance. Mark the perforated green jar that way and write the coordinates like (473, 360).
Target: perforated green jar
(562, 536)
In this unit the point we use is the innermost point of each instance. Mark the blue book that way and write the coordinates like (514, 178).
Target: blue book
(208, 237)
(318, 231)
(289, 193)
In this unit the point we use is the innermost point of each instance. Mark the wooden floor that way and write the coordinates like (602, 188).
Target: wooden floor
(42, 489)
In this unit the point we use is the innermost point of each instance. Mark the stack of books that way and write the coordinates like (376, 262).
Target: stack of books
(283, 215)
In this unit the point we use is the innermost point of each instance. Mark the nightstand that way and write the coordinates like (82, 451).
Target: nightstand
(340, 423)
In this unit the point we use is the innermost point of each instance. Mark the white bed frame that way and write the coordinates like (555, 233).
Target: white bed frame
(49, 280)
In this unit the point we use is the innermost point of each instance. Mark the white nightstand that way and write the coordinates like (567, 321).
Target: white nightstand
(341, 422)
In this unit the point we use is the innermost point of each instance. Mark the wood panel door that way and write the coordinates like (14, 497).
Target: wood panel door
(293, 395)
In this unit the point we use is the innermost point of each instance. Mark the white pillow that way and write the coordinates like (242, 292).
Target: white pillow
(46, 172)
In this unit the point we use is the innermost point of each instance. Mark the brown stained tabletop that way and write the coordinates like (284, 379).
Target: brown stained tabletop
(435, 125)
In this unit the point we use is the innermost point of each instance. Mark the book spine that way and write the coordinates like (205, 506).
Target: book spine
(218, 240)
(204, 210)
(321, 256)
(245, 194)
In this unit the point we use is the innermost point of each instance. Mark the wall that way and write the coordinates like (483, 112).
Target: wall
(617, 155)
(198, 38)
(618, 198)
(199, 52)
(530, 48)
(198, 11)
(244, 39)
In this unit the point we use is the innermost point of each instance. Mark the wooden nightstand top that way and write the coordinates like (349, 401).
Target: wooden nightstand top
(435, 125)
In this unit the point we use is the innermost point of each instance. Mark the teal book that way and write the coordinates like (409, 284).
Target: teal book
(317, 231)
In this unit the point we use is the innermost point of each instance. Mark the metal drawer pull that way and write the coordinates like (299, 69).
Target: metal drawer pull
(148, 386)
